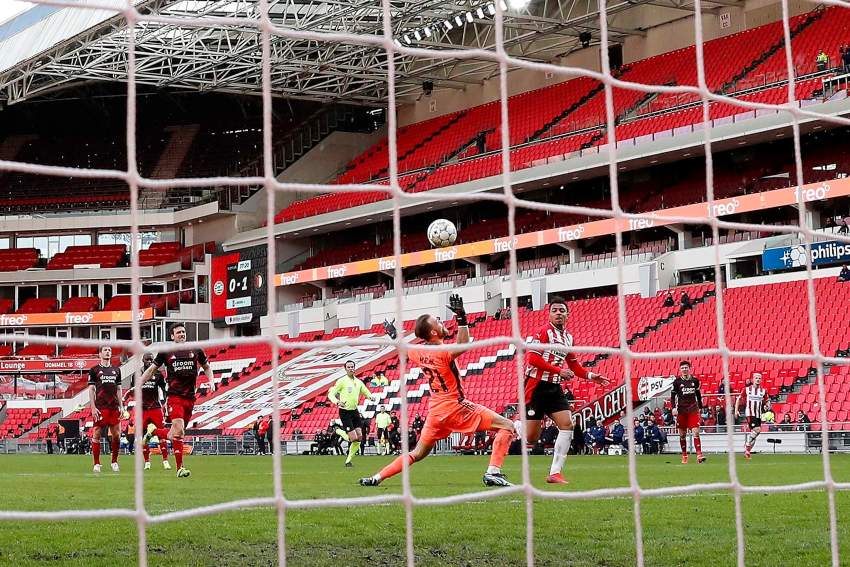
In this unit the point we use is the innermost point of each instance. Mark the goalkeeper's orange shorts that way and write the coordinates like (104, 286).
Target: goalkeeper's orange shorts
(455, 417)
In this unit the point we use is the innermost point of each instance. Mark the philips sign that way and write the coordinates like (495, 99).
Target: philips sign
(788, 257)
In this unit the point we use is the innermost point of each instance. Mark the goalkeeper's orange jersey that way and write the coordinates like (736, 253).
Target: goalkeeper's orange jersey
(442, 374)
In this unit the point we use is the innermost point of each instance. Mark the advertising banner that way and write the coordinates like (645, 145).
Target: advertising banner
(606, 226)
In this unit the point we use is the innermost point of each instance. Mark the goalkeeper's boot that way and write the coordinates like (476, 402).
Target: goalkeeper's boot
(556, 478)
(96, 469)
(684, 459)
(147, 465)
(166, 465)
(183, 472)
(349, 464)
(115, 467)
(369, 481)
(701, 459)
(496, 479)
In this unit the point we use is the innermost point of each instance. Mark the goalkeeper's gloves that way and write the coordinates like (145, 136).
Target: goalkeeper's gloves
(456, 306)
(389, 329)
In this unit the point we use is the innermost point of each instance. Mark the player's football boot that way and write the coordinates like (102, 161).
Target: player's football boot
(349, 464)
(166, 465)
(747, 454)
(369, 481)
(96, 468)
(701, 459)
(115, 467)
(684, 459)
(556, 478)
(147, 465)
(183, 472)
(496, 479)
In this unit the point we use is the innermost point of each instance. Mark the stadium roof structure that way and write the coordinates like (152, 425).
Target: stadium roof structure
(50, 47)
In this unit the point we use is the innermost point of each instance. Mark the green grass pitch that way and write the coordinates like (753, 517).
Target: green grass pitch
(692, 530)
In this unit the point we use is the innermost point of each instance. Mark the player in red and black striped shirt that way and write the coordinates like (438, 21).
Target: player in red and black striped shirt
(106, 405)
(181, 367)
(544, 369)
(151, 407)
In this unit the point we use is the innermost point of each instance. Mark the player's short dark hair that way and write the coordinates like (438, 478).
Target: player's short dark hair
(422, 330)
(685, 363)
(347, 361)
(175, 326)
(103, 347)
(557, 299)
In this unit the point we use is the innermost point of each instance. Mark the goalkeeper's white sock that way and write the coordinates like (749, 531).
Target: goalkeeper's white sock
(562, 447)
(494, 470)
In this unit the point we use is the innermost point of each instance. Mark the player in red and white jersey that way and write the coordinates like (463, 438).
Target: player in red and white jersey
(544, 368)
(106, 405)
(448, 409)
(686, 400)
(151, 408)
(182, 367)
(754, 398)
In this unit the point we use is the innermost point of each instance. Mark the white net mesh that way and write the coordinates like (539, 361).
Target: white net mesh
(385, 41)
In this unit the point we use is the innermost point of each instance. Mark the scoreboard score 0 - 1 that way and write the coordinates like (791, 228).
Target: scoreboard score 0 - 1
(239, 286)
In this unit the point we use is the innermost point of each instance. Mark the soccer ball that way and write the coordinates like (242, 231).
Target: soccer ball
(442, 233)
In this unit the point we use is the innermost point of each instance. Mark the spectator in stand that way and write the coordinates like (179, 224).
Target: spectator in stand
(721, 388)
(704, 414)
(379, 380)
(647, 437)
(720, 418)
(668, 300)
(638, 436)
(845, 58)
(685, 301)
(822, 60)
(657, 439)
(131, 437)
(844, 226)
(658, 417)
(669, 418)
(588, 442)
(786, 424)
(844, 276)
(803, 421)
(618, 432)
(395, 433)
(599, 441)
(418, 424)
(260, 429)
(269, 435)
(768, 418)
(711, 421)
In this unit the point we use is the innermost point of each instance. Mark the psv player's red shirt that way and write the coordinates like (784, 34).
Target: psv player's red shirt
(442, 374)
(551, 359)
(182, 368)
(106, 381)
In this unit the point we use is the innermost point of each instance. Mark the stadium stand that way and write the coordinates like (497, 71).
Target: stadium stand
(38, 305)
(102, 255)
(578, 104)
(20, 420)
(16, 259)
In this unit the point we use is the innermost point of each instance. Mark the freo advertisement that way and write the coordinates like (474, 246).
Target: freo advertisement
(74, 318)
(787, 257)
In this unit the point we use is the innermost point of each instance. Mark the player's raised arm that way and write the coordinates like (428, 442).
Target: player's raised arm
(456, 306)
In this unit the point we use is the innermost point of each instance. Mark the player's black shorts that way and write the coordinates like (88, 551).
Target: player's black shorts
(547, 398)
(350, 419)
(383, 434)
(754, 422)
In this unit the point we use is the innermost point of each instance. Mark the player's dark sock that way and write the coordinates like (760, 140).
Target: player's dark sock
(177, 445)
(95, 450)
(115, 446)
(698, 445)
(683, 443)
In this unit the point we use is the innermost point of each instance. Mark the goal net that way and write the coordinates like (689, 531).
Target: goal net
(385, 37)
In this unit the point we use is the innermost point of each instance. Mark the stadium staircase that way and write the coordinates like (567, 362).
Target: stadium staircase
(548, 126)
